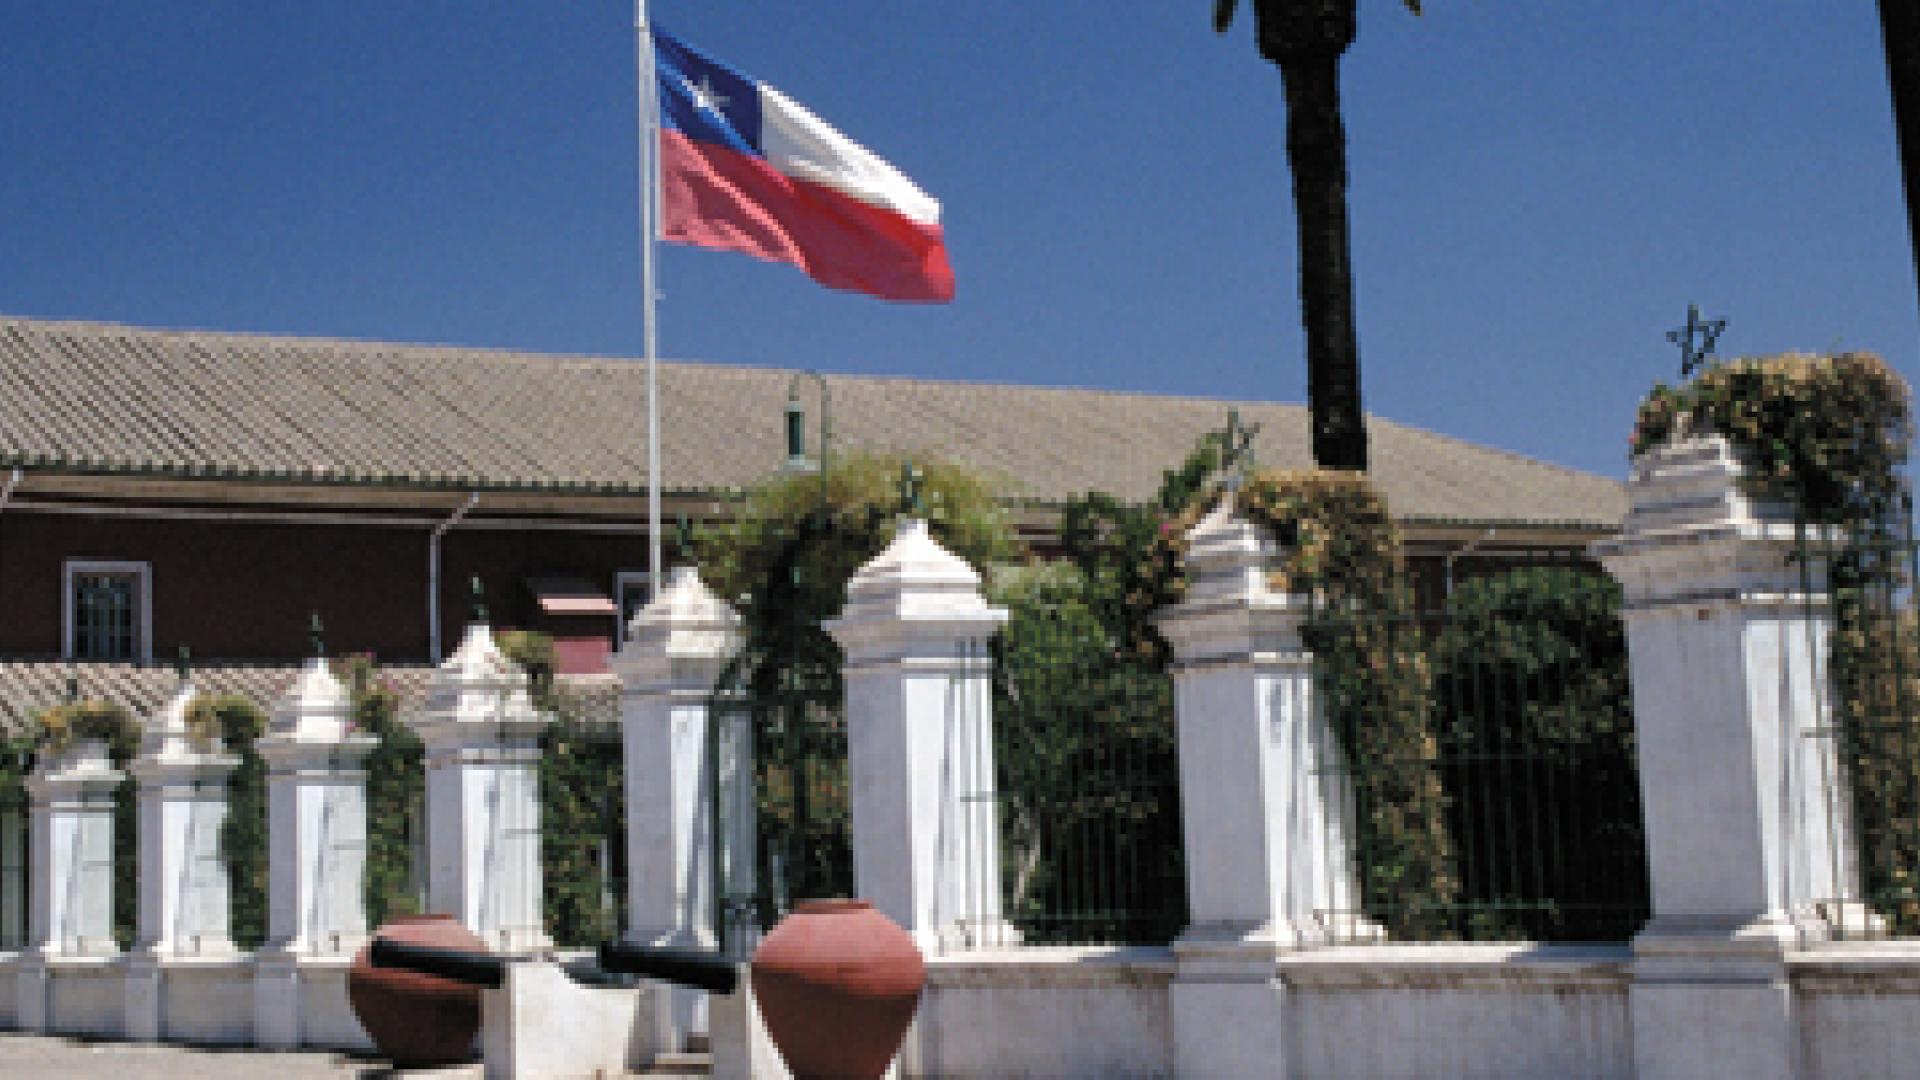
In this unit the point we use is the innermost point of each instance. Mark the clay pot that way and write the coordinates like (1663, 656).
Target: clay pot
(413, 1019)
(837, 984)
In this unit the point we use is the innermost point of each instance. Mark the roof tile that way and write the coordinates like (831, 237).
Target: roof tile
(193, 403)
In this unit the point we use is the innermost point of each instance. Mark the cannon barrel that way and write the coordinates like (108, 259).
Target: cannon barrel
(687, 967)
(460, 965)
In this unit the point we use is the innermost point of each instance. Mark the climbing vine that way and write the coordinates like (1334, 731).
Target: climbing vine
(396, 780)
(236, 722)
(582, 803)
(582, 836)
(1342, 549)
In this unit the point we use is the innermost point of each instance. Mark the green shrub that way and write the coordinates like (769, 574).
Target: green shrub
(1535, 725)
(1087, 774)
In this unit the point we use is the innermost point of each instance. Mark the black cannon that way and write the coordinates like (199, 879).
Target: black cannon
(684, 967)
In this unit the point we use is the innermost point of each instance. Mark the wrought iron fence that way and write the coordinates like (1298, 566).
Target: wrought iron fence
(1088, 786)
(1858, 789)
(1509, 806)
(778, 787)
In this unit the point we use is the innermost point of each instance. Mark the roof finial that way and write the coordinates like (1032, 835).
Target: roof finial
(910, 500)
(318, 634)
(683, 540)
(183, 663)
(479, 600)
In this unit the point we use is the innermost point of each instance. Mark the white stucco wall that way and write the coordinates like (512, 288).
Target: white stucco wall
(1044, 1012)
(1458, 1011)
(1858, 1008)
(327, 1021)
(86, 997)
(208, 1003)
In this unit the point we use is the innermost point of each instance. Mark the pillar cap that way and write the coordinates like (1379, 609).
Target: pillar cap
(1229, 612)
(1694, 531)
(916, 575)
(1687, 488)
(317, 707)
(167, 739)
(685, 618)
(478, 686)
(84, 760)
(1227, 556)
(913, 597)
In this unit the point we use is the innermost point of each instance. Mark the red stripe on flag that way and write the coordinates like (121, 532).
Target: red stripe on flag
(715, 197)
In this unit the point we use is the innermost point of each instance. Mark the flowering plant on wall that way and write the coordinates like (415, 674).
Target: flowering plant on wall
(63, 726)
(1826, 434)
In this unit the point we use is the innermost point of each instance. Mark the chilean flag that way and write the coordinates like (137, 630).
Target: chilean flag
(744, 168)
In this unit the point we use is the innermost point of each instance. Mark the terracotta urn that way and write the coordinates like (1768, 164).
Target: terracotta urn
(414, 1019)
(837, 984)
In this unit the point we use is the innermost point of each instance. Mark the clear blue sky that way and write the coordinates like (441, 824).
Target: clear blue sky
(1538, 189)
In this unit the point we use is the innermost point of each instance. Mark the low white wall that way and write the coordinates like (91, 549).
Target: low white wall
(1044, 1012)
(207, 1002)
(1358, 1011)
(326, 1019)
(201, 1001)
(1458, 1011)
(1858, 1008)
(85, 997)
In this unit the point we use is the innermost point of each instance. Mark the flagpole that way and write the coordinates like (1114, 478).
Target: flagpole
(649, 230)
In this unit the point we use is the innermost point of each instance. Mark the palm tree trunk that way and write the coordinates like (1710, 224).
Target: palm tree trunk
(1900, 31)
(1317, 154)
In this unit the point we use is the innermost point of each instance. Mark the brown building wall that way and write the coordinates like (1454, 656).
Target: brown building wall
(245, 591)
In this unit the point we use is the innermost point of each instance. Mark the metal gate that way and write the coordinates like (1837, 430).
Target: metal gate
(777, 763)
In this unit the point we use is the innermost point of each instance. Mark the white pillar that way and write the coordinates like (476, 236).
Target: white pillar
(70, 905)
(183, 910)
(1264, 803)
(926, 841)
(1727, 640)
(481, 734)
(676, 647)
(316, 844)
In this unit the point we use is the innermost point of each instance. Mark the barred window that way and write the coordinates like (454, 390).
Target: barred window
(106, 606)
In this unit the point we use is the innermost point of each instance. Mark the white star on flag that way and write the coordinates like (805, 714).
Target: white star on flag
(705, 96)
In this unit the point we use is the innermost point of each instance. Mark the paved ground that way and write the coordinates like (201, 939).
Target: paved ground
(34, 1056)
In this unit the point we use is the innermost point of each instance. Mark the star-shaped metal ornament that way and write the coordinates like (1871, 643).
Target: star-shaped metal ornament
(1236, 457)
(1696, 339)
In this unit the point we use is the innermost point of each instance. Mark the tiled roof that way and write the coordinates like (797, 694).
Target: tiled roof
(28, 687)
(114, 399)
